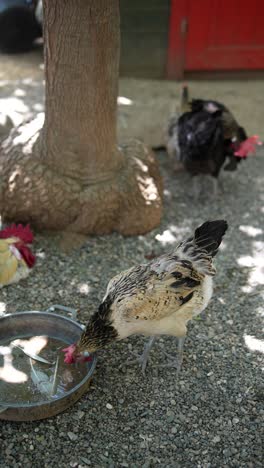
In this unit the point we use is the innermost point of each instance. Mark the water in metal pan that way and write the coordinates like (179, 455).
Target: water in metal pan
(32, 370)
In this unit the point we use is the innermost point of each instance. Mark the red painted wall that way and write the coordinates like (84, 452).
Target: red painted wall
(208, 35)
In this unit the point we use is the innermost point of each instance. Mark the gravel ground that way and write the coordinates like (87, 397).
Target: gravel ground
(212, 415)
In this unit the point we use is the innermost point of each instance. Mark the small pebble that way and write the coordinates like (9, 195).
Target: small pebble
(170, 416)
(72, 436)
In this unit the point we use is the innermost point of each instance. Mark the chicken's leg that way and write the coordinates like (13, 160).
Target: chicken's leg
(215, 187)
(180, 353)
(177, 363)
(143, 358)
(197, 187)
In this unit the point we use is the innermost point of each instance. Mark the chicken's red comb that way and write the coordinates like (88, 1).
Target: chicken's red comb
(24, 233)
(248, 146)
(70, 358)
(69, 351)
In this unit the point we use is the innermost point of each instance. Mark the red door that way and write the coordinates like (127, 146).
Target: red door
(216, 35)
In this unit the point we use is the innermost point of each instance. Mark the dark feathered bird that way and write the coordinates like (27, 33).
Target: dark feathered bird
(201, 142)
(18, 26)
(158, 298)
(205, 137)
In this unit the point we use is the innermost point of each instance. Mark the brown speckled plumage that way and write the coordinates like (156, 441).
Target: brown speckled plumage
(159, 297)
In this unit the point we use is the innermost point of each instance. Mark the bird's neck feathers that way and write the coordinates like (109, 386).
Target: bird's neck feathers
(99, 331)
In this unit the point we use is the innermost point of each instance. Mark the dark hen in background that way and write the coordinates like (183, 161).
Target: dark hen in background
(204, 137)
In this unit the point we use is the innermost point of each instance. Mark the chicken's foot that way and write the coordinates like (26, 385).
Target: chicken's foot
(143, 358)
(176, 362)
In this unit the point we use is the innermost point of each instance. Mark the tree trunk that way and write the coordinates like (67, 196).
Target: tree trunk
(70, 174)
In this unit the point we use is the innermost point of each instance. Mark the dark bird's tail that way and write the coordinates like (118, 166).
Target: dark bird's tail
(209, 236)
(185, 104)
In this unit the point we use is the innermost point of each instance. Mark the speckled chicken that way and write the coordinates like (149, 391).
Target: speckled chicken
(158, 298)
(16, 258)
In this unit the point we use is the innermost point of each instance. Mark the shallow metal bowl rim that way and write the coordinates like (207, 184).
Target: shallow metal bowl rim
(73, 390)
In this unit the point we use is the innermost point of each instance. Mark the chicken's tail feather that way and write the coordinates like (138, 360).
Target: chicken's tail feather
(185, 101)
(203, 246)
(209, 236)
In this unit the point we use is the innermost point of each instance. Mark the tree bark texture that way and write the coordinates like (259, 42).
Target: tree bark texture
(69, 173)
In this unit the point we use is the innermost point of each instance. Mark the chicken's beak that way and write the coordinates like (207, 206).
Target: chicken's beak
(78, 350)
(81, 354)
